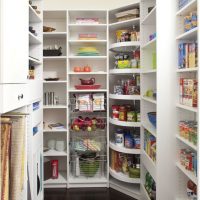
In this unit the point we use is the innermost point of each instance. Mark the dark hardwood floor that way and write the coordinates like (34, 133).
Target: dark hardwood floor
(84, 194)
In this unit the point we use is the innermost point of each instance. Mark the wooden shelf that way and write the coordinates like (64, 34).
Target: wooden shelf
(80, 42)
(126, 124)
(150, 19)
(148, 99)
(149, 164)
(189, 7)
(126, 188)
(188, 143)
(144, 192)
(188, 108)
(50, 153)
(55, 130)
(124, 24)
(85, 180)
(34, 61)
(33, 40)
(87, 57)
(187, 173)
(189, 35)
(125, 97)
(62, 179)
(149, 128)
(187, 70)
(122, 177)
(150, 45)
(123, 149)
(33, 16)
(54, 57)
(55, 107)
(149, 71)
(125, 71)
(99, 90)
(87, 73)
(124, 46)
(85, 25)
(50, 82)
(57, 35)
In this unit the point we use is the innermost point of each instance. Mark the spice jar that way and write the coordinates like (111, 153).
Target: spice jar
(115, 112)
(122, 113)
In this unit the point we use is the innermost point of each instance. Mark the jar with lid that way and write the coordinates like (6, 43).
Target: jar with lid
(131, 116)
(119, 88)
(119, 138)
(122, 113)
(115, 112)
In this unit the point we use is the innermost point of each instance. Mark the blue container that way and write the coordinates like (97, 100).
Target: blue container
(152, 118)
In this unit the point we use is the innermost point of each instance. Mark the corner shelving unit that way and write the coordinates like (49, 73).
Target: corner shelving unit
(148, 83)
(185, 112)
(56, 67)
(119, 180)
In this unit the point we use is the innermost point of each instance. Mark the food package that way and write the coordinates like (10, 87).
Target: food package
(98, 102)
(84, 102)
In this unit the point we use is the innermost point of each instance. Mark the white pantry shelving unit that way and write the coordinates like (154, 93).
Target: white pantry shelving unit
(154, 75)
(185, 112)
(148, 83)
(55, 112)
(99, 66)
(118, 180)
(35, 100)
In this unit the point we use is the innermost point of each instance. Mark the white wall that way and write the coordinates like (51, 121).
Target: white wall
(85, 4)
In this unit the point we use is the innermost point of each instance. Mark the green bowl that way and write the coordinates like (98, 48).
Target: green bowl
(89, 168)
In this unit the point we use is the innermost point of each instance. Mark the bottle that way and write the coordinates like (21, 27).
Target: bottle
(77, 168)
(134, 34)
(119, 138)
(54, 168)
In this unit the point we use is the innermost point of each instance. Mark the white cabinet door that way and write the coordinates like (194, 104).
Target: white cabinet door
(14, 41)
(13, 96)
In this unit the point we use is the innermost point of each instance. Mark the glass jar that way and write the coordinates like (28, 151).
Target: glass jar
(131, 116)
(115, 112)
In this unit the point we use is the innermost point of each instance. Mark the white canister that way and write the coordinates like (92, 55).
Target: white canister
(119, 138)
(60, 145)
(51, 144)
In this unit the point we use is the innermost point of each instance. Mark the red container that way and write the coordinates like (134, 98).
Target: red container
(88, 87)
(54, 169)
(115, 112)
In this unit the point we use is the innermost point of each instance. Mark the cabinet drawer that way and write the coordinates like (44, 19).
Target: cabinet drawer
(13, 96)
(36, 92)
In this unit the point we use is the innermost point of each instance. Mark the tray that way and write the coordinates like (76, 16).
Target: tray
(52, 52)
(51, 79)
(87, 87)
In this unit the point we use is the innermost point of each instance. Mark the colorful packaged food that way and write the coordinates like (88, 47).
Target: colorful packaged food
(115, 112)
(122, 113)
